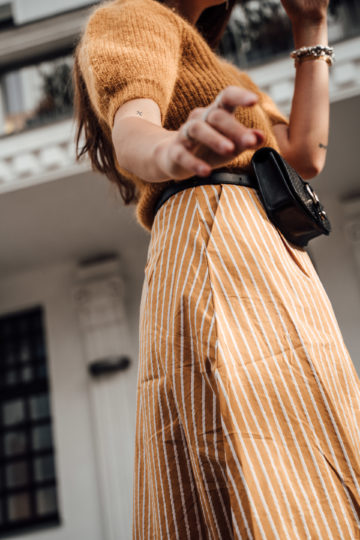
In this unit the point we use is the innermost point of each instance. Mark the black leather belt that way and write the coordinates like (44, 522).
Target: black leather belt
(216, 177)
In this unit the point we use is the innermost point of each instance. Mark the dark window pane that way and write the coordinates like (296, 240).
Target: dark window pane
(16, 474)
(26, 374)
(18, 506)
(41, 437)
(23, 325)
(6, 329)
(41, 371)
(8, 356)
(46, 501)
(12, 377)
(24, 352)
(39, 406)
(14, 443)
(40, 349)
(13, 412)
(35, 324)
(44, 468)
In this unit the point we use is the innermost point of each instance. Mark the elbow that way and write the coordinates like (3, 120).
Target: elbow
(307, 166)
(310, 170)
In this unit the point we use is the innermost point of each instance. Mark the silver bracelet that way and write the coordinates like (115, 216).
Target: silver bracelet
(313, 51)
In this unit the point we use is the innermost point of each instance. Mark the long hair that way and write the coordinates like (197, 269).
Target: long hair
(97, 136)
(213, 21)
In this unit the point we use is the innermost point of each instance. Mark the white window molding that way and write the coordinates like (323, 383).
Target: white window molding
(47, 153)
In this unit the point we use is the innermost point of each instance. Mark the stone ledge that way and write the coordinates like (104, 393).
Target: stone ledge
(42, 154)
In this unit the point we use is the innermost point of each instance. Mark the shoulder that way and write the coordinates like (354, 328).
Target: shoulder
(130, 49)
(144, 14)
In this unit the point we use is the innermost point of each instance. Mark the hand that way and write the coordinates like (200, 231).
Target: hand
(214, 142)
(309, 10)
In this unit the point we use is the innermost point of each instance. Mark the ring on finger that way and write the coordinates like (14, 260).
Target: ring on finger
(206, 113)
(186, 131)
(216, 105)
(218, 101)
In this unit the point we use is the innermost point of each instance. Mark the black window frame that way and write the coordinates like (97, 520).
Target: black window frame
(12, 339)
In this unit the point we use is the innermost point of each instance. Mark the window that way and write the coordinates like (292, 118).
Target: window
(37, 94)
(259, 30)
(28, 495)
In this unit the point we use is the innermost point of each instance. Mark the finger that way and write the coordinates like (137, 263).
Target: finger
(196, 113)
(234, 96)
(232, 129)
(182, 159)
(202, 133)
(230, 98)
(186, 136)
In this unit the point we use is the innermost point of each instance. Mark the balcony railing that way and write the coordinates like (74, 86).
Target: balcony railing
(259, 32)
(37, 142)
(39, 155)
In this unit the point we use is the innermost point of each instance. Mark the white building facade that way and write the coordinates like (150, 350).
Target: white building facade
(71, 268)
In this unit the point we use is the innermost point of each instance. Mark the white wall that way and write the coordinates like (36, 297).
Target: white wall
(336, 267)
(80, 506)
(340, 181)
(76, 407)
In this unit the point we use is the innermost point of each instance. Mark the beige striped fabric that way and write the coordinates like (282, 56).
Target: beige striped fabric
(248, 404)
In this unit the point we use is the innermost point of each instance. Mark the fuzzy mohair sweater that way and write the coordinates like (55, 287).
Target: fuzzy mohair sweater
(143, 49)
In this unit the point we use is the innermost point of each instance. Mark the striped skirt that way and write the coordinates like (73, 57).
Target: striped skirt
(248, 404)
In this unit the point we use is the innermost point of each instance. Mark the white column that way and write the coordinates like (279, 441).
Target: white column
(99, 294)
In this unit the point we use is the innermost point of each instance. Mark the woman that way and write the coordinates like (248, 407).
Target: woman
(248, 404)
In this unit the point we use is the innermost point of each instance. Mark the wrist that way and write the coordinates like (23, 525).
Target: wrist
(158, 158)
(307, 33)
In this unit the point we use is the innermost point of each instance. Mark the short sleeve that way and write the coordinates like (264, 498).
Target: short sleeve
(130, 49)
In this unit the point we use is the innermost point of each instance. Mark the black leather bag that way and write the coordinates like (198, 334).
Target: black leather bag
(290, 202)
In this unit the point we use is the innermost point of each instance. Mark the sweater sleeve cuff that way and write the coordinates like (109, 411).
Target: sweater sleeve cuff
(138, 89)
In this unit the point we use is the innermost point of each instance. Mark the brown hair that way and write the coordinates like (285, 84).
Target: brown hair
(98, 142)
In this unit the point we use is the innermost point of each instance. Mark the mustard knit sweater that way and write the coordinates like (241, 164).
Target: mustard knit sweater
(143, 49)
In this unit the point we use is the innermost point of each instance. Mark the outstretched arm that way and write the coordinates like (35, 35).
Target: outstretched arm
(303, 142)
(144, 148)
